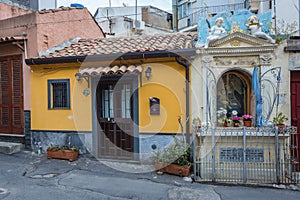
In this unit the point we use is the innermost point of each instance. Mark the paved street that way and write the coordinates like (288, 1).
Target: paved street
(26, 176)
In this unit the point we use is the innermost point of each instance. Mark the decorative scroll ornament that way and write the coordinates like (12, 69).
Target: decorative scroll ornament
(232, 61)
(207, 59)
(265, 59)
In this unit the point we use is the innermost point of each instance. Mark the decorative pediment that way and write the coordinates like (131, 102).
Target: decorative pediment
(239, 39)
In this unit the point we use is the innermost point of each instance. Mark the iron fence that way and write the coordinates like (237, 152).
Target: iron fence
(246, 155)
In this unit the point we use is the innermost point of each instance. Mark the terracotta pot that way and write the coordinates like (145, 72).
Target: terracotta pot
(160, 166)
(225, 124)
(65, 155)
(177, 170)
(247, 123)
(280, 127)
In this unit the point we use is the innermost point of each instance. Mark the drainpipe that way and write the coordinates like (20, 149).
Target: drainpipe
(186, 65)
(175, 14)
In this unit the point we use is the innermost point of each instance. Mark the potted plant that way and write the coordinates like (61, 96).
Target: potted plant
(221, 117)
(62, 152)
(236, 121)
(279, 121)
(173, 159)
(247, 118)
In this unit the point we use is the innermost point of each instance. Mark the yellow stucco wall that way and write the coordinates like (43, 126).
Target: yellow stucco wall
(76, 118)
(166, 83)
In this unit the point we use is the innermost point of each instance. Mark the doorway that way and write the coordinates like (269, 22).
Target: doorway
(115, 115)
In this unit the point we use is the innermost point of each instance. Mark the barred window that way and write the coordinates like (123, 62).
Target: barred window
(59, 94)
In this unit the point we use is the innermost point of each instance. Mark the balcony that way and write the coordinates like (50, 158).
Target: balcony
(192, 19)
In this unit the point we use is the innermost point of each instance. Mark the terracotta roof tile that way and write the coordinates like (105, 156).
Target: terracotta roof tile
(108, 70)
(85, 47)
(62, 8)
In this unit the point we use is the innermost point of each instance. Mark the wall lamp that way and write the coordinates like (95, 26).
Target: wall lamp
(79, 76)
(148, 72)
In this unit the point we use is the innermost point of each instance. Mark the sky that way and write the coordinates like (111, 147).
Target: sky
(92, 5)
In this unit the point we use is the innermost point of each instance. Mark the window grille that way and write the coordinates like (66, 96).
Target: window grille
(59, 94)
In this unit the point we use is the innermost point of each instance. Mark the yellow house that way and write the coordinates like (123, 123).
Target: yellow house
(120, 98)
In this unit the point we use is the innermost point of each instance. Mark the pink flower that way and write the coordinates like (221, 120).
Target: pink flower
(247, 116)
(236, 119)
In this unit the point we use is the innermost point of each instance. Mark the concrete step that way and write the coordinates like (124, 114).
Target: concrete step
(10, 148)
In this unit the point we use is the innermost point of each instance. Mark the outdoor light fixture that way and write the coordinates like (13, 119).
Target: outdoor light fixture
(86, 92)
(78, 76)
(148, 72)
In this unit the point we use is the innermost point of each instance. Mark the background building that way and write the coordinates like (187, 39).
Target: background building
(131, 20)
(32, 4)
(187, 12)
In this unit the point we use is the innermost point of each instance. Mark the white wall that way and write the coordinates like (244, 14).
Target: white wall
(119, 12)
(43, 4)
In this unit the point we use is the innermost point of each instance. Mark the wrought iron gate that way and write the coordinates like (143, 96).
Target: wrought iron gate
(246, 155)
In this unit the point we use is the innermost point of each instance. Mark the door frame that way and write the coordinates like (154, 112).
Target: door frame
(135, 108)
(295, 79)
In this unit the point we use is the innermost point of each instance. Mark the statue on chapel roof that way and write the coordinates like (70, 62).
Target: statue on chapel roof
(254, 27)
(215, 32)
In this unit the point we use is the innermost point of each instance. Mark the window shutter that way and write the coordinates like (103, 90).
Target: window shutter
(11, 95)
(4, 95)
(17, 95)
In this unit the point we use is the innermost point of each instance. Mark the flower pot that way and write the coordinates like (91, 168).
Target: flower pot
(235, 124)
(225, 124)
(280, 127)
(65, 154)
(159, 166)
(247, 123)
(177, 170)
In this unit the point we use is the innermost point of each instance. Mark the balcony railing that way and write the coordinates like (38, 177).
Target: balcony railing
(192, 19)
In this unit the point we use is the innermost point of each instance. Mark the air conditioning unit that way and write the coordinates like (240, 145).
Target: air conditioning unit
(140, 25)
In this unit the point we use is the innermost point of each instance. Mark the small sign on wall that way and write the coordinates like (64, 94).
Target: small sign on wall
(154, 103)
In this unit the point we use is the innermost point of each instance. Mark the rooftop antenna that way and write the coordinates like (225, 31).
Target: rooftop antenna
(108, 13)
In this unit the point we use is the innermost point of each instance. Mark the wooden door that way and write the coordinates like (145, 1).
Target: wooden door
(295, 114)
(11, 95)
(115, 114)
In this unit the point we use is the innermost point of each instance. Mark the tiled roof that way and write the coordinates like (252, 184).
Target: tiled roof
(84, 47)
(107, 70)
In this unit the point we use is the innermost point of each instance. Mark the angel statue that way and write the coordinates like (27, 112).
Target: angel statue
(254, 27)
(215, 32)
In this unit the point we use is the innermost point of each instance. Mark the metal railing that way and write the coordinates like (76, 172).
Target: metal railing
(192, 18)
(246, 155)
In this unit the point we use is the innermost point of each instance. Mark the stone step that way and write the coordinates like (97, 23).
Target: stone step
(10, 148)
